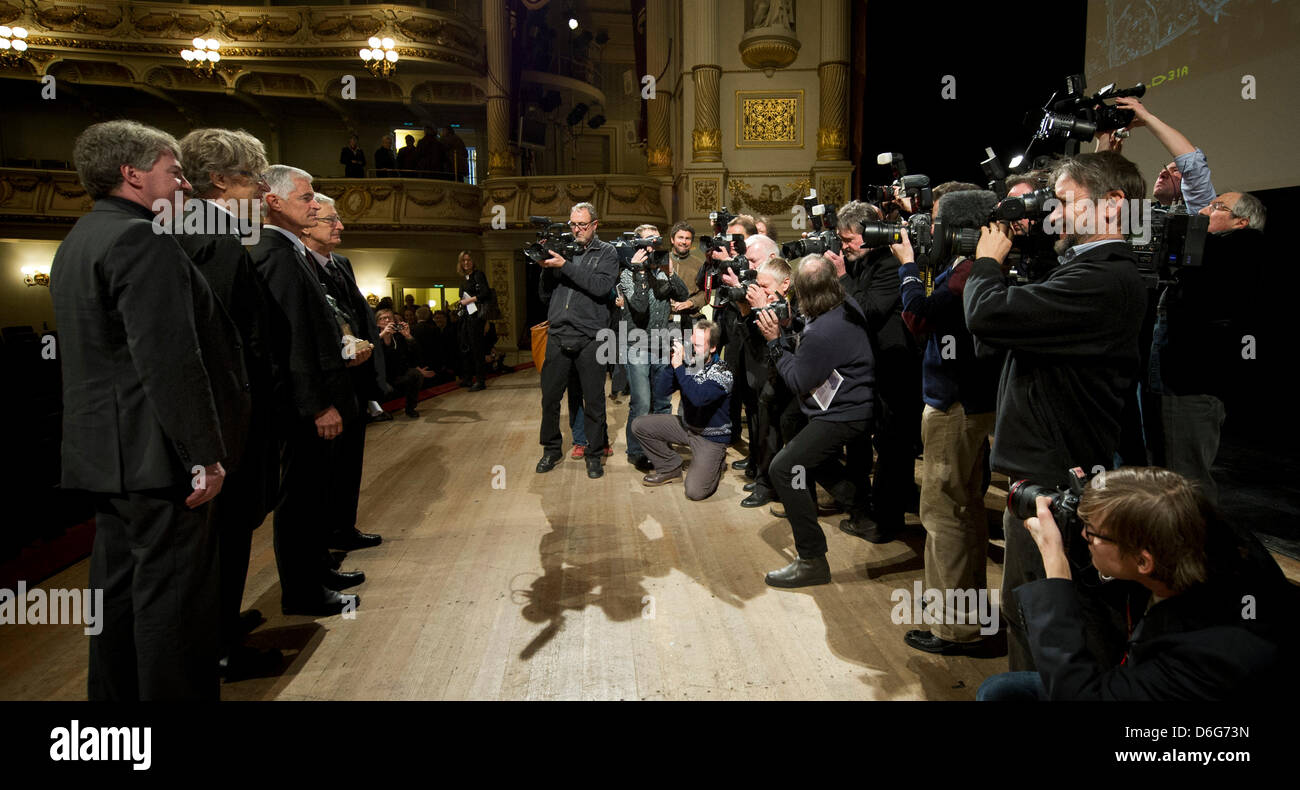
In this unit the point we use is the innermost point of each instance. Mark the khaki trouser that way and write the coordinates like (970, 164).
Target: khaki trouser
(952, 511)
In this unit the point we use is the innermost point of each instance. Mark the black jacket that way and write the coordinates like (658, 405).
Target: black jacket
(1208, 310)
(579, 293)
(311, 374)
(1073, 352)
(834, 341)
(1231, 637)
(138, 403)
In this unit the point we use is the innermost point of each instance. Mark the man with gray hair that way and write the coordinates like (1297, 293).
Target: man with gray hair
(227, 171)
(317, 397)
(579, 293)
(1197, 351)
(142, 432)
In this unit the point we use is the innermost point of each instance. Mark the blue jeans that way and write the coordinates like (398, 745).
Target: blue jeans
(640, 379)
(1012, 687)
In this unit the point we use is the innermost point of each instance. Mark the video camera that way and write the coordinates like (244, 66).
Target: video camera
(1178, 240)
(1075, 116)
(552, 237)
(629, 243)
(823, 237)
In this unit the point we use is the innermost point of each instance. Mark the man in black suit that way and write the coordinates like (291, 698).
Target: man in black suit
(315, 391)
(353, 159)
(335, 273)
(142, 430)
(227, 172)
(385, 164)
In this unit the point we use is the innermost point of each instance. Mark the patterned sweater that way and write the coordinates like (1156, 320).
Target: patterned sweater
(706, 397)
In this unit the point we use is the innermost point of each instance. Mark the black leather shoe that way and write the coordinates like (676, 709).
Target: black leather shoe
(641, 463)
(743, 463)
(381, 417)
(347, 540)
(863, 527)
(341, 580)
(750, 486)
(548, 462)
(329, 602)
(801, 573)
(927, 641)
(242, 663)
(751, 472)
(479, 387)
(595, 469)
(250, 620)
(413, 414)
(756, 499)
(659, 478)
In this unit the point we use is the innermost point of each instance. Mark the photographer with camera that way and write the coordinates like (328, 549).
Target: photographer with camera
(649, 286)
(960, 391)
(1184, 182)
(1209, 613)
(706, 387)
(1072, 343)
(775, 400)
(718, 273)
(401, 355)
(831, 371)
(577, 291)
(870, 276)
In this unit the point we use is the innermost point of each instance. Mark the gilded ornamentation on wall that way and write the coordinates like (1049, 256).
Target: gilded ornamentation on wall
(770, 200)
(832, 191)
(705, 192)
(659, 157)
(769, 120)
(706, 142)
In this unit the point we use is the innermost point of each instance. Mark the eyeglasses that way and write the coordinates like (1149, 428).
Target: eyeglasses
(581, 225)
(1219, 205)
(1090, 534)
(334, 220)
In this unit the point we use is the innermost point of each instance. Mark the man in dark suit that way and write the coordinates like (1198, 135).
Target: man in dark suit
(315, 392)
(353, 159)
(226, 169)
(142, 430)
(335, 273)
(385, 164)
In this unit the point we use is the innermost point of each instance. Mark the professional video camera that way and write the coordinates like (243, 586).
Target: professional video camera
(551, 237)
(1177, 240)
(1076, 116)
(823, 237)
(629, 243)
(1032, 206)
(1021, 500)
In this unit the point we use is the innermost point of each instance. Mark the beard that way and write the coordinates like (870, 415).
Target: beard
(1064, 243)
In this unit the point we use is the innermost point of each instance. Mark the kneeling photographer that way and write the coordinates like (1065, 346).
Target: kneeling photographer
(832, 372)
(1210, 616)
(649, 287)
(705, 385)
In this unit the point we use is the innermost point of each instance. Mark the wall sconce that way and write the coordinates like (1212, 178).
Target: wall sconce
(13, 44)
(204, 55)
(36, 275)
(381, 58)
(372, 300)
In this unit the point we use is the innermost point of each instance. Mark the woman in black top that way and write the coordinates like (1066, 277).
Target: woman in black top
(476, 299)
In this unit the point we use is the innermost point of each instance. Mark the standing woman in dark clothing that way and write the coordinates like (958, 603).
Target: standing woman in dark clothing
(476, 300)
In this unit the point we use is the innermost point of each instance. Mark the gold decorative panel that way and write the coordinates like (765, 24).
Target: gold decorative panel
(767, 119)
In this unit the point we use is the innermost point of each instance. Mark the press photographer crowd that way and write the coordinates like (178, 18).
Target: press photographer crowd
(1050, 326)
(1057, 327)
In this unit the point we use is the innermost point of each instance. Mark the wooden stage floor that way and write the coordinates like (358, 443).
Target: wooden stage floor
(494, 582)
